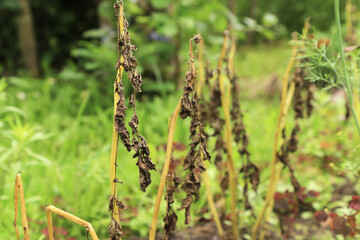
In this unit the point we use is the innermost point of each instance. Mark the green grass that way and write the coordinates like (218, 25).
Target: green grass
(263, 60)
(59, 137)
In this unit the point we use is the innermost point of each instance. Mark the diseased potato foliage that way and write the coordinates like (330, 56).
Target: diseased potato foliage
(137, 142)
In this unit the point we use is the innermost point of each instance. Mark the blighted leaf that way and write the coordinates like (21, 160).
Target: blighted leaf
(120, 116)
(144, 162)
(186, 102)
(170, 220)
(251, 172)
(115, 230)
(186, 204)
(293, 141)
(129, 64)
(309, 98)
(134, 123)
(199, 162)
(198, 152)
(298, 101)
(118, 203)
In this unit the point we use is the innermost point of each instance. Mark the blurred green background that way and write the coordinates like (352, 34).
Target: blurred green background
(57, 66)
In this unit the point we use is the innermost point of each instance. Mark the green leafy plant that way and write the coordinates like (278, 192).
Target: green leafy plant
(332, 71)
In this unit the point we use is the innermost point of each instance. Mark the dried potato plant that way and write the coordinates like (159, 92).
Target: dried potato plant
(188, 106)
(134, 142)
(198, 148)
(280, 150)
(137, 142)
(170, 218)
(251, 173)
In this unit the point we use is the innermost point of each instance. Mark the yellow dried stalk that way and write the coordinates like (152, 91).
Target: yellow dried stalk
(115, 136)
(201, 68)
(232, 57)
(211, 203)
(278, 166)
(286, 98)
(231, 67)
(228, 139)
(172, 125)
(269, 194)
(61, 213)
(207, 182)
(20, 190)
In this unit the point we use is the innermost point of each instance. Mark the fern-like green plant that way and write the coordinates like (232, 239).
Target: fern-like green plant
(328, 72)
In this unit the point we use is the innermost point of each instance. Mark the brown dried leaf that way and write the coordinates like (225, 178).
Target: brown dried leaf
(134, 123)
(293, 141)
(186, 204)
(115, 230)
(170, 224)
(309, 99)
(298, 101)
(252, 173)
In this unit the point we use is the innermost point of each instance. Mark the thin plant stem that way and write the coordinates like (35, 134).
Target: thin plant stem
(19, 190)
(201, 68)
(211, 203)
(172, 125)
(346, 80)
(269, 194)
(61, 213)
(231, 69)
(165, 171)
(208, 185)
(228, 139)
(278, 167)
(286, 97)
(115, 135)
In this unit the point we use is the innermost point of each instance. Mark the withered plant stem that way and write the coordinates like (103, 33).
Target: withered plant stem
(172, 125)
(228, 139)
(61, 213)
(115, 135)
(207, 182)
(201, 68)
(19, 190)
(278, 165)
(286, 98)
(232, 56)
(272, 183)
(211, 203)
(231, 69)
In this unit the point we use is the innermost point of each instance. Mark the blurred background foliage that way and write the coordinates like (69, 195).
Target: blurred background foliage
(78, 38)
(56, 128)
